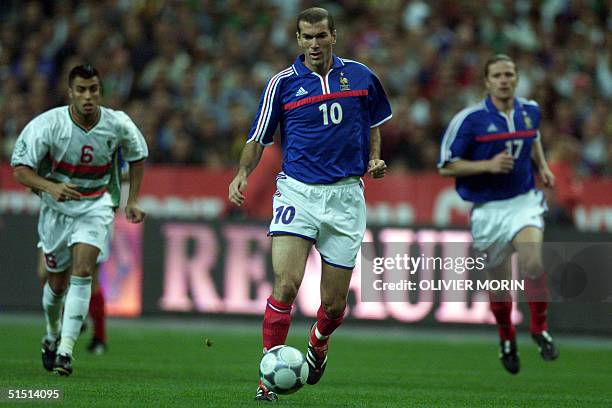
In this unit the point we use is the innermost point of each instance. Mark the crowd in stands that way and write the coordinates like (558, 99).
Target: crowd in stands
(190, 73)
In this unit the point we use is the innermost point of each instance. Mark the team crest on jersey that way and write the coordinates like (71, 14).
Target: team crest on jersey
(344, 83)
(527, 119)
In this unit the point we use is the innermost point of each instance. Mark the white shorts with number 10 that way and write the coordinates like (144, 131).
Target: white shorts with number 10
(332, 216)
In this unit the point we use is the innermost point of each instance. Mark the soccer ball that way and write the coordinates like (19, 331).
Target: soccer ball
(283, 369)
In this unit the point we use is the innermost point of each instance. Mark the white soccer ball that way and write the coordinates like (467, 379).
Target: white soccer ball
(283, 369)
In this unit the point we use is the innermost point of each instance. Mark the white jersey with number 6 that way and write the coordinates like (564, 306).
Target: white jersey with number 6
(59, 149)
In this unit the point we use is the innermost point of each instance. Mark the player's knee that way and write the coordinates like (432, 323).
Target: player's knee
(285, 291)
(58, 286)
(335, 308)
(532, 267)
(500, 296)
(83, 269)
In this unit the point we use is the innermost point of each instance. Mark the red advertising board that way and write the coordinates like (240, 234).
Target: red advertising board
(399, 199)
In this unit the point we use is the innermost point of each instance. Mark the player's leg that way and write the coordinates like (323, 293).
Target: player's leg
(41, 268)
(97, 313)
(77, 303)
(528, 243)
(501, 306)
(53, 301)
(341, 233)
(293, 230)
(53, 264)
(334, 290)
(289, 255)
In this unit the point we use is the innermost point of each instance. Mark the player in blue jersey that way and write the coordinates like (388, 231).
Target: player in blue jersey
(489, 149)
(329, 110)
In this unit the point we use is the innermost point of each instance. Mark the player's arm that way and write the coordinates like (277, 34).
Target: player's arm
(376, 166)
(249, 158)
(26, 176)
(501, 163)
(537, 155)
(133, 212)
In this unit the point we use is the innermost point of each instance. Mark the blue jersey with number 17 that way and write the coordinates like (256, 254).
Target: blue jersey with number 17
(482, 131)
(324, 122)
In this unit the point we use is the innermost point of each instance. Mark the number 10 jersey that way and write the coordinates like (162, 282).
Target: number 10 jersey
(325, 121)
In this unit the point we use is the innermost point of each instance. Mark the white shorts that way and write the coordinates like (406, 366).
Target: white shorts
(332, 216)
(57, 233)
(496, 223)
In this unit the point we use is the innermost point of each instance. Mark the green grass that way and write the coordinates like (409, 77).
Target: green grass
(153, 365)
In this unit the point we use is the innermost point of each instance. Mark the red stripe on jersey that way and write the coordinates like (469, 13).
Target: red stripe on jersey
(319, 98)
(93, 194)
(507, 135)
(81, 168)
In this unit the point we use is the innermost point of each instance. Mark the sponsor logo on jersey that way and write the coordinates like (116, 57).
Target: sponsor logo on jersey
(492, 128)
(301, 92)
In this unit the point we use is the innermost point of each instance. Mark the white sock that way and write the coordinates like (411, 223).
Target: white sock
(75, 311)
(52, 305)
(319, 335)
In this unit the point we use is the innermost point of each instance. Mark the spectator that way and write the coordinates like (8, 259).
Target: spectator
(170, 59)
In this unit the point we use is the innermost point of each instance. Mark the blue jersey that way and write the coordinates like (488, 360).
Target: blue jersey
(324, 122)
(482, 131)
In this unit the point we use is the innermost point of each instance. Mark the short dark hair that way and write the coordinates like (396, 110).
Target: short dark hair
(85, 71)
(314, 15)
(496, 58)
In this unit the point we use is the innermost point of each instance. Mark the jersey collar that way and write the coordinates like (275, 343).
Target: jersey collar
(302, 69)
(492, 108)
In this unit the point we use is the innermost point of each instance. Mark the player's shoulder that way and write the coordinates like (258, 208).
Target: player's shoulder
(470, 113)
(355, 65)
(113, 114)
(528, 104)
(283, 74)
(50, 118)
(53, 114)
(114, 117)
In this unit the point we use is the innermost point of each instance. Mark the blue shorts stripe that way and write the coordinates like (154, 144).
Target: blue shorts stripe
(277, 233)
(350, 268)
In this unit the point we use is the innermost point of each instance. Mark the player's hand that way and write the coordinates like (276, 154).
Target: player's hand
(547, 176)
(236, 189)
(502, 163)
(64, 192)
(377, 168)
(134, 213)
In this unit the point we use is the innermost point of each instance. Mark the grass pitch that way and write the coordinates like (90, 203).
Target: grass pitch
(163, 363)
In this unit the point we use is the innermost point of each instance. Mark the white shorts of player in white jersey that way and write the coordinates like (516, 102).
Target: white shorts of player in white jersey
(57, 232)
(332, 216)
(496, 223)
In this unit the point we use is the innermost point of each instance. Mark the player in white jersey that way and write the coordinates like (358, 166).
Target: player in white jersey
(69, 154)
